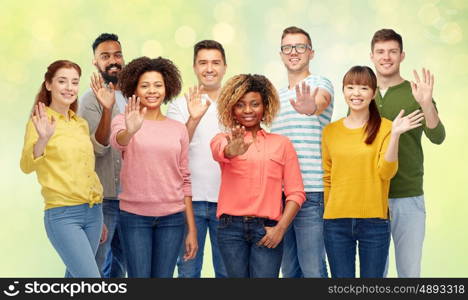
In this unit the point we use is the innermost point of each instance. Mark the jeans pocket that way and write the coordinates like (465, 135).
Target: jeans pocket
(55, 212)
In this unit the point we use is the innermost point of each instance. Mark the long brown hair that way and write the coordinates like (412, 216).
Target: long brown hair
(44, 95)
(363, 75)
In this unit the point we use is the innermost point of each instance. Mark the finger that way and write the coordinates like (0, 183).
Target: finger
(304, 88)
(432, 81)
(187, 98)
(400, 114)
(307, 89)
(298, 92)
(314, 94)
(52, 121)
(414, 87)
(418, 120)
(228, 139)
(137, 104)
(262, 241)
(36, 110)
(143, 111)
(111, 86)
(413, 113)
(416, 76)
(201, 89)
(417, 116)
(293, 103)
(424, 74)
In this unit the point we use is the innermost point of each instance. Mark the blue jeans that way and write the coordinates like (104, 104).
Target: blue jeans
(408, 221)
(237, 240)
(74, 231)
(109, 256)
(304, 250)
(343, 235)
(205, 218)
(151, 244)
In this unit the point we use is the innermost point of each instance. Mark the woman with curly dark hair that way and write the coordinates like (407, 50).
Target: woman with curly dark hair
(255, 166)
(156, 187)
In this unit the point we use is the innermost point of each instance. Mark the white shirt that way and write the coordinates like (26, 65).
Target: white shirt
(206, 174)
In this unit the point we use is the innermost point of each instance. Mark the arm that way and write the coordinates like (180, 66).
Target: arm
(310, 103)
(134, 117)
(327, 166)
(38, 133)
(191, 243)
(196, 108)
(422, 90)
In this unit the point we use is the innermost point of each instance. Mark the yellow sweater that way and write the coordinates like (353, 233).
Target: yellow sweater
(356, 175)
(66, 169)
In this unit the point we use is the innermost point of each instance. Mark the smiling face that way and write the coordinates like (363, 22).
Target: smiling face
(151, 89)
(296, 62)
(357, 96)
(248, 111)
(108, 59)
(64, 86)
(209, 68)
(387, 56)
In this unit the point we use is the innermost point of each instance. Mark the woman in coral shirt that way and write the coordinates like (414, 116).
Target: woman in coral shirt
(255, 166)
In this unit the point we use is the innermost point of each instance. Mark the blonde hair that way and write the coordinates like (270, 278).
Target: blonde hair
(239, 85)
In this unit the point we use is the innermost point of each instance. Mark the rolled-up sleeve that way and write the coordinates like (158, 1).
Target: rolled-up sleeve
(293, 185)
(218, 143)
(28, 163)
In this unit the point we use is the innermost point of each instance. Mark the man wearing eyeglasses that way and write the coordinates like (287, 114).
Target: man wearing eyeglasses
(306, 107)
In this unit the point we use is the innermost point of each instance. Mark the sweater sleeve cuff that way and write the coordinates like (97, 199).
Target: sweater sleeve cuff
(388, 169)
(436, 134)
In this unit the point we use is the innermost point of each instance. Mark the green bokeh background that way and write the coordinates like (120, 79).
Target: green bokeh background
(35, 33)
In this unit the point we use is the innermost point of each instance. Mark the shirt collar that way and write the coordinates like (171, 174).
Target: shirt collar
(57, 115)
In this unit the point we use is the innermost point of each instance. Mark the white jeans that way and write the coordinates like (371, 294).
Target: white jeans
(408, 226)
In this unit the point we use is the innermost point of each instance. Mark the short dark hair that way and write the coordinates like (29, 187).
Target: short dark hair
(383, 35)
(103, 38)
(208, 44)
(132, 72)
(296, 30)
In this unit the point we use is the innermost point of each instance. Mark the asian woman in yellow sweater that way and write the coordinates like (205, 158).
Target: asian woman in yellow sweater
(360, 156)
(58, 148)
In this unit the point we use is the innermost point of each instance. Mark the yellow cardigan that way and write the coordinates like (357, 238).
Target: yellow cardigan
(356, 175)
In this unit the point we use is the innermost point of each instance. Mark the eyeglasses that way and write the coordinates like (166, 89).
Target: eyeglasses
(300, 48)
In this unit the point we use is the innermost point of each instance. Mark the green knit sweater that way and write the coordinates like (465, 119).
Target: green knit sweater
(408, 181)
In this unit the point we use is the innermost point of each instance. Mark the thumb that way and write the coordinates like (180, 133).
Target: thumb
(111, 86)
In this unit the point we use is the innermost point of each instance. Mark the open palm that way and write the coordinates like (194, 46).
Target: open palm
(305, 100)
(422, 87)
(45, 128)
(134, 116)
(403, 124)
(104, 94)
(195, 104)
(236, 144)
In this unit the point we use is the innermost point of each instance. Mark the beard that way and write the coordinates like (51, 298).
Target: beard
(108, 77)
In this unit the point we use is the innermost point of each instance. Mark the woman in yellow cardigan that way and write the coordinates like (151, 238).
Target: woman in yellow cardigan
(58, 148)
(360, 156)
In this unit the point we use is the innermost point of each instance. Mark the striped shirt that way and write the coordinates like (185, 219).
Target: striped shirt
(305, 132)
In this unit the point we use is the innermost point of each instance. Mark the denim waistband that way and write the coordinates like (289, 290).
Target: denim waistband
(248, 219)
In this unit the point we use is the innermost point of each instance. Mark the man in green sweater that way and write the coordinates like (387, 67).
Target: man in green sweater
(406, 198)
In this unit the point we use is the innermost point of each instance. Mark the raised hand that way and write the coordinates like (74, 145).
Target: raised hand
(236, 144)
(195, 104)
(104, 94)
(403, 124)
(305, 100)
(45, 128)
(134, 116)
(422, 89)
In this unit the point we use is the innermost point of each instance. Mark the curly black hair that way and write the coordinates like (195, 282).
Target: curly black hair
(131, 73)
(103, 38)
(239, 85)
